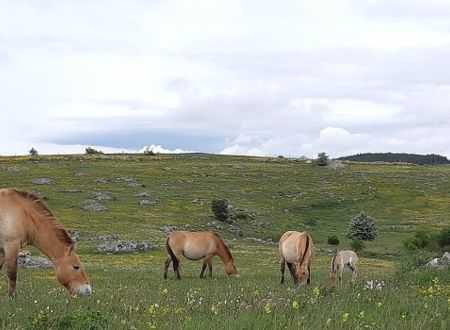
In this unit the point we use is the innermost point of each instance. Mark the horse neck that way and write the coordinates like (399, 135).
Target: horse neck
(46, 240)
(223, 253)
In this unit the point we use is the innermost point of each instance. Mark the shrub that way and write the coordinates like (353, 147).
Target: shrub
(357, 245)
(443, 237)
(362, 227)
(92, 151)
(333, 240)
(222, 209)
(420, 240)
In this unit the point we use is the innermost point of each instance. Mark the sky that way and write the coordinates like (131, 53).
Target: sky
(262, 78)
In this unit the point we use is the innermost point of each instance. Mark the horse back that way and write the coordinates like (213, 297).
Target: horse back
(295, 246)
(193, 245)
(13, 217)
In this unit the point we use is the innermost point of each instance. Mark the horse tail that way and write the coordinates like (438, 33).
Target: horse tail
(307, 248)
(172, 254)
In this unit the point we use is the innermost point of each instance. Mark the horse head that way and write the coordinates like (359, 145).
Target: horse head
(231, 269)
(70, 272)
(302, 273)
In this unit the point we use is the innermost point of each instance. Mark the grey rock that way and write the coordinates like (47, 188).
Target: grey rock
(91, 205)
(42, 181)
(25, 259)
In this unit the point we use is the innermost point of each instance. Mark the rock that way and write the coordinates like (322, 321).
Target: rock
(91, 205)
(259, 240)
(102, 180)
(433, 263)
(25, 259)
(148, 202)
(135, 185)
(42, 181)
(75, 235)
(126, 179)
(123, 246)
(170, 228)
(105, 237)
(445, 258)
(142, 194)
(100, 196)
(71, 190)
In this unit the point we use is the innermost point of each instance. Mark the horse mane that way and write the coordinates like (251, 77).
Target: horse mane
(225, 246)
(45, 212)
(306, 249)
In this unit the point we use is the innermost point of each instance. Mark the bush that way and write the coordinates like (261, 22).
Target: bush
(357, 245)
(222, 209)
(362, 227)
(443, 237)
(333, 240)
(420, 240)
(92, 151)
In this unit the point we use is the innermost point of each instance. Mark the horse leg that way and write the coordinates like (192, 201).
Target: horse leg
(308, 281)
(166, 266)
(176, 267)
(210, 267)
(203, 268)
(11, 251)
(2, 258)
(340, 273)
(354, 274)
(283, 265)
(291, 267)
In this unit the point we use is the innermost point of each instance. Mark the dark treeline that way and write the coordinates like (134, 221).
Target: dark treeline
(389, 157)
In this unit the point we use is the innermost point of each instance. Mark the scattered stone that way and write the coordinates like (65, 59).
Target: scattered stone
(39, 194)
(100, 196)
(169, 228)
(91, 205)
(123, 246)
(136, 185)
(126, 179)
(259, 240)
(148, 202)
(102, 180)
(335, 164)
(25, 259)
(142, 194)
(42, 181)
(13, 169)
(71, 190)
(80, 173)
(75, 235)
(443, 261)
(105, 237)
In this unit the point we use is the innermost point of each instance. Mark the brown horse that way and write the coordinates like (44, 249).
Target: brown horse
(296, 250)
(196, 246)
(343, 259)
(26, 220)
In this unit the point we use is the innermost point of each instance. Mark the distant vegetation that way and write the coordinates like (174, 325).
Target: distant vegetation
(389, 157)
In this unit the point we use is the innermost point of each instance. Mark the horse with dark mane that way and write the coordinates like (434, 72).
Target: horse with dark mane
(196, 246)
(296, 250)
(26, 220)
(343, 259)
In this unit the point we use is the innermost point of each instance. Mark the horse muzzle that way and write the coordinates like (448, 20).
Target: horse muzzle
(82, 290)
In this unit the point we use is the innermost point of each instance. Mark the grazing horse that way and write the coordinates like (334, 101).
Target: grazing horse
(26, 220)
(343, 259)
(296, 250)
(196, 246)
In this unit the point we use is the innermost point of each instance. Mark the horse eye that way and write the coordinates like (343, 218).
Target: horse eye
(76, 267)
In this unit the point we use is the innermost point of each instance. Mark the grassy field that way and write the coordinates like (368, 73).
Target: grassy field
(275, 195)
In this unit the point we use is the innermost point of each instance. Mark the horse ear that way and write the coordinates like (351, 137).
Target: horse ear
(70, 248)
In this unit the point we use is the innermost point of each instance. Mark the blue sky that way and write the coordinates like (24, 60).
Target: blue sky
(236, 77)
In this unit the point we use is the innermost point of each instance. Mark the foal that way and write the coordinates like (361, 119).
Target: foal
(343, 259)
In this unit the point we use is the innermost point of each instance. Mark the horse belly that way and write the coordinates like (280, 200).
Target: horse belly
(195, 251)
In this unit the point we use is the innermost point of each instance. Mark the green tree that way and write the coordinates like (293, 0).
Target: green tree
(322, 159)
(362, 227)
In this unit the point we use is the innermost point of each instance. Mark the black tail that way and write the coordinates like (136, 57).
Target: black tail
(175, 261)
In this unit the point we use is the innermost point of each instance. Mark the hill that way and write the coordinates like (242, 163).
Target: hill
(389, 157)
(141, 197)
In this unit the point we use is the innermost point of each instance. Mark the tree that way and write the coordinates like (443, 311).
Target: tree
(362, 227)
(92, 151)
(322, 159)
(33, 152)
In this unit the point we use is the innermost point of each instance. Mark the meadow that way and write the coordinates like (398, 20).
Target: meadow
(270, 196)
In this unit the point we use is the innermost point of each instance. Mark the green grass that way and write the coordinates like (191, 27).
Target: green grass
(282, 195)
